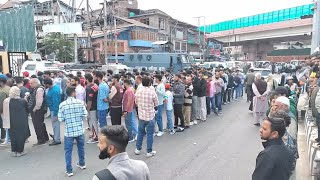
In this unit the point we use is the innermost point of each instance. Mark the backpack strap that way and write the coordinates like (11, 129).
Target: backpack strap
(105, 175)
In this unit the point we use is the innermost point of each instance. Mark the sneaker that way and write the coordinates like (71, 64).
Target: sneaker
(21, 154)
(160, 133)
(180, 129)
(152, 153)
(39, 144)
(82, 167)
(220, 112)
(137, 152)
(191, 124)
(92, 141)
(172, 132)
(132, 140)
(5, 144)
(195, 122)
(69, 174)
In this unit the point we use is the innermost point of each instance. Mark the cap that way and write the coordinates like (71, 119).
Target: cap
(26, 74)
(290, 78)
(281, 90)
(283, 100)
(3, 77)
(167, 86)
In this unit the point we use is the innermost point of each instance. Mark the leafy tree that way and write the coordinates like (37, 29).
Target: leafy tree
(56, 43)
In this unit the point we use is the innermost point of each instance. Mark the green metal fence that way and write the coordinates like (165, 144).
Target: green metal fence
(265, 18)
(17, 29)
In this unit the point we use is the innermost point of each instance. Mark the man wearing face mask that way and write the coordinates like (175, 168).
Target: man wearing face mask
(113, 141)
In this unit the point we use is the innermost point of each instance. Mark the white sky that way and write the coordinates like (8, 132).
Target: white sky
(214, 10)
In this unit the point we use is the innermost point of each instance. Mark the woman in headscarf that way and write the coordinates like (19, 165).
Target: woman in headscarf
(15, 109)
(272, 83)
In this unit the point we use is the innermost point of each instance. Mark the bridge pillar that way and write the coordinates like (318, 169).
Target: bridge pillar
(257, 50)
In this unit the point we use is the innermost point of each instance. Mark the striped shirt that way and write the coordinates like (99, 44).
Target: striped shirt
(146, 100)
(72, 112)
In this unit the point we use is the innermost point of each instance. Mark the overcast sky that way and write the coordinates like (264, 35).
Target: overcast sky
(214, 10)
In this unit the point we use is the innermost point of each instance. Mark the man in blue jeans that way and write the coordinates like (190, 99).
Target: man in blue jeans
(102, 100)
(73, 112)
(53, 98)
(147, 102)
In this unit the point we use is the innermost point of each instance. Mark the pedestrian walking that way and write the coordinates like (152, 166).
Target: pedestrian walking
(72, 112)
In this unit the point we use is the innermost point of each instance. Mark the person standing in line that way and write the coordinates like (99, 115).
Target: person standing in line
(178, 97)
(237, 84)
(115, 98)
(4, 93)
(229, 86)
(72, 112)
(211, 91)
(202, 106)
(37, 107)
(128, 107)
(91, 101)
(102, 100)
(147, 103)
(260, 99)
(218, 82)
(195, 103)
(225, 79)
(113, 141)
(169, 109)
(15, 109)
(53, 101)
(161, 92)
(188, 102)
(80, 91)
(275, 161)
(23, 90)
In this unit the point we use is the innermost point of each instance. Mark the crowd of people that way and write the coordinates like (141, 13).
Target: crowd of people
(142, 99)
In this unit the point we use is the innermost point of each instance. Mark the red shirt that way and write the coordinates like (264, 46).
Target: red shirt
(128, 100)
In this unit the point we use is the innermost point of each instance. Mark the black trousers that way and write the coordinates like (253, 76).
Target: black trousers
(40, 126)
(208, 105)
(249, 93)
(17, 143)
(3, 131)
(116, 113)
(178, 115)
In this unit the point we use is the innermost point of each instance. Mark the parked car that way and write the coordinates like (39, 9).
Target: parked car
(33, 67)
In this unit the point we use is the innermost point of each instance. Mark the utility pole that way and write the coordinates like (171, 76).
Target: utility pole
(115, 32)
(89, 36)
(199, 24)
(105, 24)
(315, 28)
(52, 11)
(75, 35)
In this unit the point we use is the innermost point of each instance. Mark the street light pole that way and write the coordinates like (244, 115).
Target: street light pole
(315, 28)
(105, 32)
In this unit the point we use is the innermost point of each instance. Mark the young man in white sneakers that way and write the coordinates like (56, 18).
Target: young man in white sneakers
(147, 103)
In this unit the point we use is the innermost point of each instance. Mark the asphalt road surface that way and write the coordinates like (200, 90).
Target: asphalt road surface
(223, 148)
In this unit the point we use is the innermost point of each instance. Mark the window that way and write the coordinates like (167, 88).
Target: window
(162, 25)
(145, 21)
(31, 67)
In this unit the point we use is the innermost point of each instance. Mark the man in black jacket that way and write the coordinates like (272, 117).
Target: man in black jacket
(275, 161)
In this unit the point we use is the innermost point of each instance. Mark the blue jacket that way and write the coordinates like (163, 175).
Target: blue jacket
(53, 99)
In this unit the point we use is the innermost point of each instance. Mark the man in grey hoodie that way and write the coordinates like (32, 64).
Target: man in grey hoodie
(178, 95)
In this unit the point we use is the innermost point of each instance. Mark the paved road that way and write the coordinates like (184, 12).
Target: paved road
(223, 148)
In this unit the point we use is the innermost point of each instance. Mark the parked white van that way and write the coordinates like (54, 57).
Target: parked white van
(33, 67)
